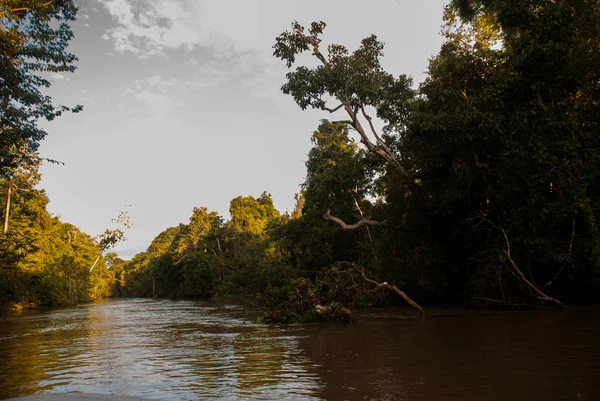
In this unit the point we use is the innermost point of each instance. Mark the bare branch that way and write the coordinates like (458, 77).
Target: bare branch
(385, 285)
(499, 302)
(358, 127)
(354, 226)
(316, 52)
(374, 131)
(363, 216)
(389, 157)
(541, 295)
(323, 107)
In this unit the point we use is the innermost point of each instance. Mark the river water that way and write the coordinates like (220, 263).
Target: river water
(168, 350)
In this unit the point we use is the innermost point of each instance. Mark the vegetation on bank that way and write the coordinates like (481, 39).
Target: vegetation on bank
(43, 261)
(481, 186)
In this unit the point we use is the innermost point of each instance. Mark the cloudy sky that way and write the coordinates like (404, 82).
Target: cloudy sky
(182, 106)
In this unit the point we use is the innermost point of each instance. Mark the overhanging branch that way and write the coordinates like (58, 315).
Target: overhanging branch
(323, 107)
(358, 224)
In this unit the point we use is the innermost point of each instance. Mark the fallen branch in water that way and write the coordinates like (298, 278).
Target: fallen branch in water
(498, 302)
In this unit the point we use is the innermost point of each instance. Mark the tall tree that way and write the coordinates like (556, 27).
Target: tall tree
(34, 36)
(504, 140)
(355, 82)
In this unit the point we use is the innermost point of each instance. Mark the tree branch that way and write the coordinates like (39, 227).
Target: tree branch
(388, 156)
(541, 295)
(385, 285)
(14, 10)
(374, 131)
(323, 107)
(316, 52)
(363, 216)
(354, 226)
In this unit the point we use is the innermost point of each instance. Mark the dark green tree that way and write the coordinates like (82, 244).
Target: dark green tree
(504, 140)
(34, 36)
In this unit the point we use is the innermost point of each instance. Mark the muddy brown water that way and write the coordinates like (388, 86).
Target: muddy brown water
(168, 350)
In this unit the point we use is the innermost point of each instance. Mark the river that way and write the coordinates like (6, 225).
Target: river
(184, 350)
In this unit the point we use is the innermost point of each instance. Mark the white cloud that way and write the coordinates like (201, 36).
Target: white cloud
(158, 103)
(56, 76)
(149, 27)
(158, 93)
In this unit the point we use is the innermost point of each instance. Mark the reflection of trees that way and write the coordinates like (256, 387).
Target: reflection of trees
(34, 354)
(258, 361)
(362, 360)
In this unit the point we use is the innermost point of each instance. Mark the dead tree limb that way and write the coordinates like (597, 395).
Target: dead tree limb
(499, 302)
(354, 226)
(540, 294)
(363, 216)
(386, 286)
(323, 107)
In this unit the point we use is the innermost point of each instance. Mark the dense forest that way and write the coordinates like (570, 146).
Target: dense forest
(43, 261)
(480, 186)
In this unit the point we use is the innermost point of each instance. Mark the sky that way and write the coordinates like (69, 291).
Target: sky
(183, 108)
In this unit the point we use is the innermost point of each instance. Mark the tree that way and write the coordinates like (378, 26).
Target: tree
(251, 215)
(22, 179)
(43, 261)
(355, 81)
(504, 140)
(111, 237)
(31, 47)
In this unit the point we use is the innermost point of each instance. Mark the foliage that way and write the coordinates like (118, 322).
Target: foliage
(482, 183)
(34, 36)
(210, 258)
(506, 129)
(43, 261)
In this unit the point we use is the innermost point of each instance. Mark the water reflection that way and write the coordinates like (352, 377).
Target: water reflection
(510, 356)
(196, 351)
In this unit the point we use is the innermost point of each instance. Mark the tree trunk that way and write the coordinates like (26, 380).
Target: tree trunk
(94, 265)
(7, 212)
